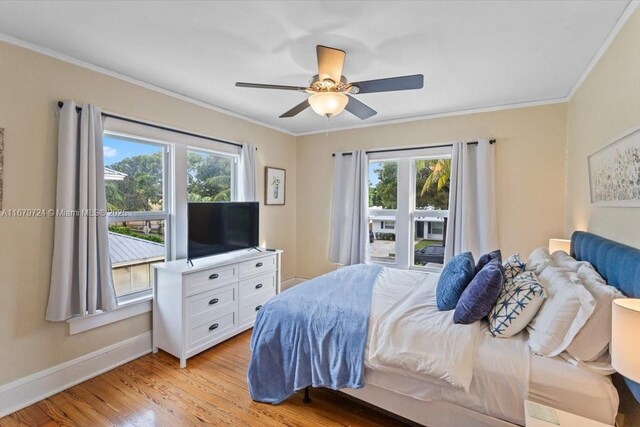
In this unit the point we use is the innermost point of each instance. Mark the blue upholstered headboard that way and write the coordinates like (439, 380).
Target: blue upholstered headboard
(619, 264)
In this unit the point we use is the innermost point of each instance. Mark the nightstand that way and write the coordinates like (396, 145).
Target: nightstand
(565, 419)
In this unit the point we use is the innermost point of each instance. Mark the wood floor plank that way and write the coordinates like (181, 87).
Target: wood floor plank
(212, 389)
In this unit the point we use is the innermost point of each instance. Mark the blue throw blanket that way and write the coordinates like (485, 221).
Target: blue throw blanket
(313, 334)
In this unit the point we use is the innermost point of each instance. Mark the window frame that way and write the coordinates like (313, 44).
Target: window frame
(235, 161)
(406, 212)
(163, 215)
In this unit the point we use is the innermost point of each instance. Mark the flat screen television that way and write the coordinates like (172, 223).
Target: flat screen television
(218, 227)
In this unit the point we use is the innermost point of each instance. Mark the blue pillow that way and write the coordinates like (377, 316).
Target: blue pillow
(481, 295)
(484, 259)
(454, 278)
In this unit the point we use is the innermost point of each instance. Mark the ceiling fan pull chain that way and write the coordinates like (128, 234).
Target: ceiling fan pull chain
(328, 117)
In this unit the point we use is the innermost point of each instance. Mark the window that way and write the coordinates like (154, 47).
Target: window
(210, 176)
(430, 208)
(383, 204)
(136, 191)
(408, 207)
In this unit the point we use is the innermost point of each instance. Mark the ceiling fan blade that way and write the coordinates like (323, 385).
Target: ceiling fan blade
(330, 63)
(262, 86)
(390, 84)
(358, 109)
(297, 109)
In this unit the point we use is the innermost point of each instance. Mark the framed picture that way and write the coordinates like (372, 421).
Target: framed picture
(614, 172)
(275, 185)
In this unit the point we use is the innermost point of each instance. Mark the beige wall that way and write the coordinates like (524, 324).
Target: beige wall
(605, 106)
(31, 84)
(529, 174)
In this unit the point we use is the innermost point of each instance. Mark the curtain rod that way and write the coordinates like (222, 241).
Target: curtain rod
(491, 141)
(126, 119)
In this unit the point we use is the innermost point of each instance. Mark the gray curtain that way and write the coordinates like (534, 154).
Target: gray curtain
(349, 209)
(247, 174)
(472, 224)
(81, 282)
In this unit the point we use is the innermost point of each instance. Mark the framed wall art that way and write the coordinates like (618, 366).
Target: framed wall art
(275, 184)
(614, 172)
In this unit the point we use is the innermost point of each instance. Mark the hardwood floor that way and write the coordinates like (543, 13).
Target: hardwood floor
(212, 389)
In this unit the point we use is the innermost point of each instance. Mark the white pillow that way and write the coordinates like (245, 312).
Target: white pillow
(566, 261)
(539, 260)
(566, 310)
(593, 339)
(519, 301)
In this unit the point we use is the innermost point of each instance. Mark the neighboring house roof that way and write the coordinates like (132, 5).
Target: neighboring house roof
(131, 250)
(113, 175)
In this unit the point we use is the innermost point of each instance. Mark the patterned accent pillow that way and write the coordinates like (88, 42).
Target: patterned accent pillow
(518, 303)
(513, 266)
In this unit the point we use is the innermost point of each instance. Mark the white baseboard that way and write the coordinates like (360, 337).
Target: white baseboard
(289, 283)
(35, 387)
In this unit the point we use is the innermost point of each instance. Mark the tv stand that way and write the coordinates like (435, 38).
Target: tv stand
(204, 301)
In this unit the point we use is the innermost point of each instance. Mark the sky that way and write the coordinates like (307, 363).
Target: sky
(117, 149)
(373, 177)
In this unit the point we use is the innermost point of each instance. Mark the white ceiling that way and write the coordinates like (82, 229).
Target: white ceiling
(473, 54)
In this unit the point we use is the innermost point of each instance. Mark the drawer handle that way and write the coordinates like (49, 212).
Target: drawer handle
(213, 276)
(213, 301)
(258, 308)
(259, 264)
(259, 285)
(214, 326)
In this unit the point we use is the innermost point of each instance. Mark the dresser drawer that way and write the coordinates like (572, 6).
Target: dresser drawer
(257, 266)
(210, 279)
(256, 285)
(249, 308)
(208, 302)
(216, 326)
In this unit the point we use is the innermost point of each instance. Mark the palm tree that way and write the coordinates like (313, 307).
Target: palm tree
(439, 175)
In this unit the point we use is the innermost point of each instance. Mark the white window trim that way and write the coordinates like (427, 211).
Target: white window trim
(406, 211)
(131, 308)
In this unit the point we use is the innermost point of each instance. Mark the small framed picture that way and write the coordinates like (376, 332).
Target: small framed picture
(275, 184)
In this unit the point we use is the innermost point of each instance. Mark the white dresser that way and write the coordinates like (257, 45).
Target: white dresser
(196, 307)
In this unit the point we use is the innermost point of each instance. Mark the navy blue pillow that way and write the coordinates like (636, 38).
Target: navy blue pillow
(484, 259)
(481, 295)
(454, 278)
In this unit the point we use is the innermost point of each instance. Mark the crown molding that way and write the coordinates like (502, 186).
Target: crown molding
(71, 60)
(454, 113)
(624, 17)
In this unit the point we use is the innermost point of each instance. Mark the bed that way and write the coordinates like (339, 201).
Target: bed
(435, 402)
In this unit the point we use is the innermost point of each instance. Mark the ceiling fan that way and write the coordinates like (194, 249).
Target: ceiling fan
(331, 92)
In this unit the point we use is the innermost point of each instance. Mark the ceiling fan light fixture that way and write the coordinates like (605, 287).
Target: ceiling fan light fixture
(328, 103)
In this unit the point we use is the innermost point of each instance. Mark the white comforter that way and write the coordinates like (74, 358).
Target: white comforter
(499, 376)
(413, 336)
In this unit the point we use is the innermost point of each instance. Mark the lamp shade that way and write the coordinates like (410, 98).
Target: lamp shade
(328, 103)
(625, 345)
(559, 245)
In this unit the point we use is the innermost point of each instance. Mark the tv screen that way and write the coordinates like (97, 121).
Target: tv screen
(218, 227)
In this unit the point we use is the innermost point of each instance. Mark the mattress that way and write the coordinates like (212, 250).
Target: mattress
(496, 390)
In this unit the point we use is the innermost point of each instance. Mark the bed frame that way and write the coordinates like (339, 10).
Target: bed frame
(617, 263)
